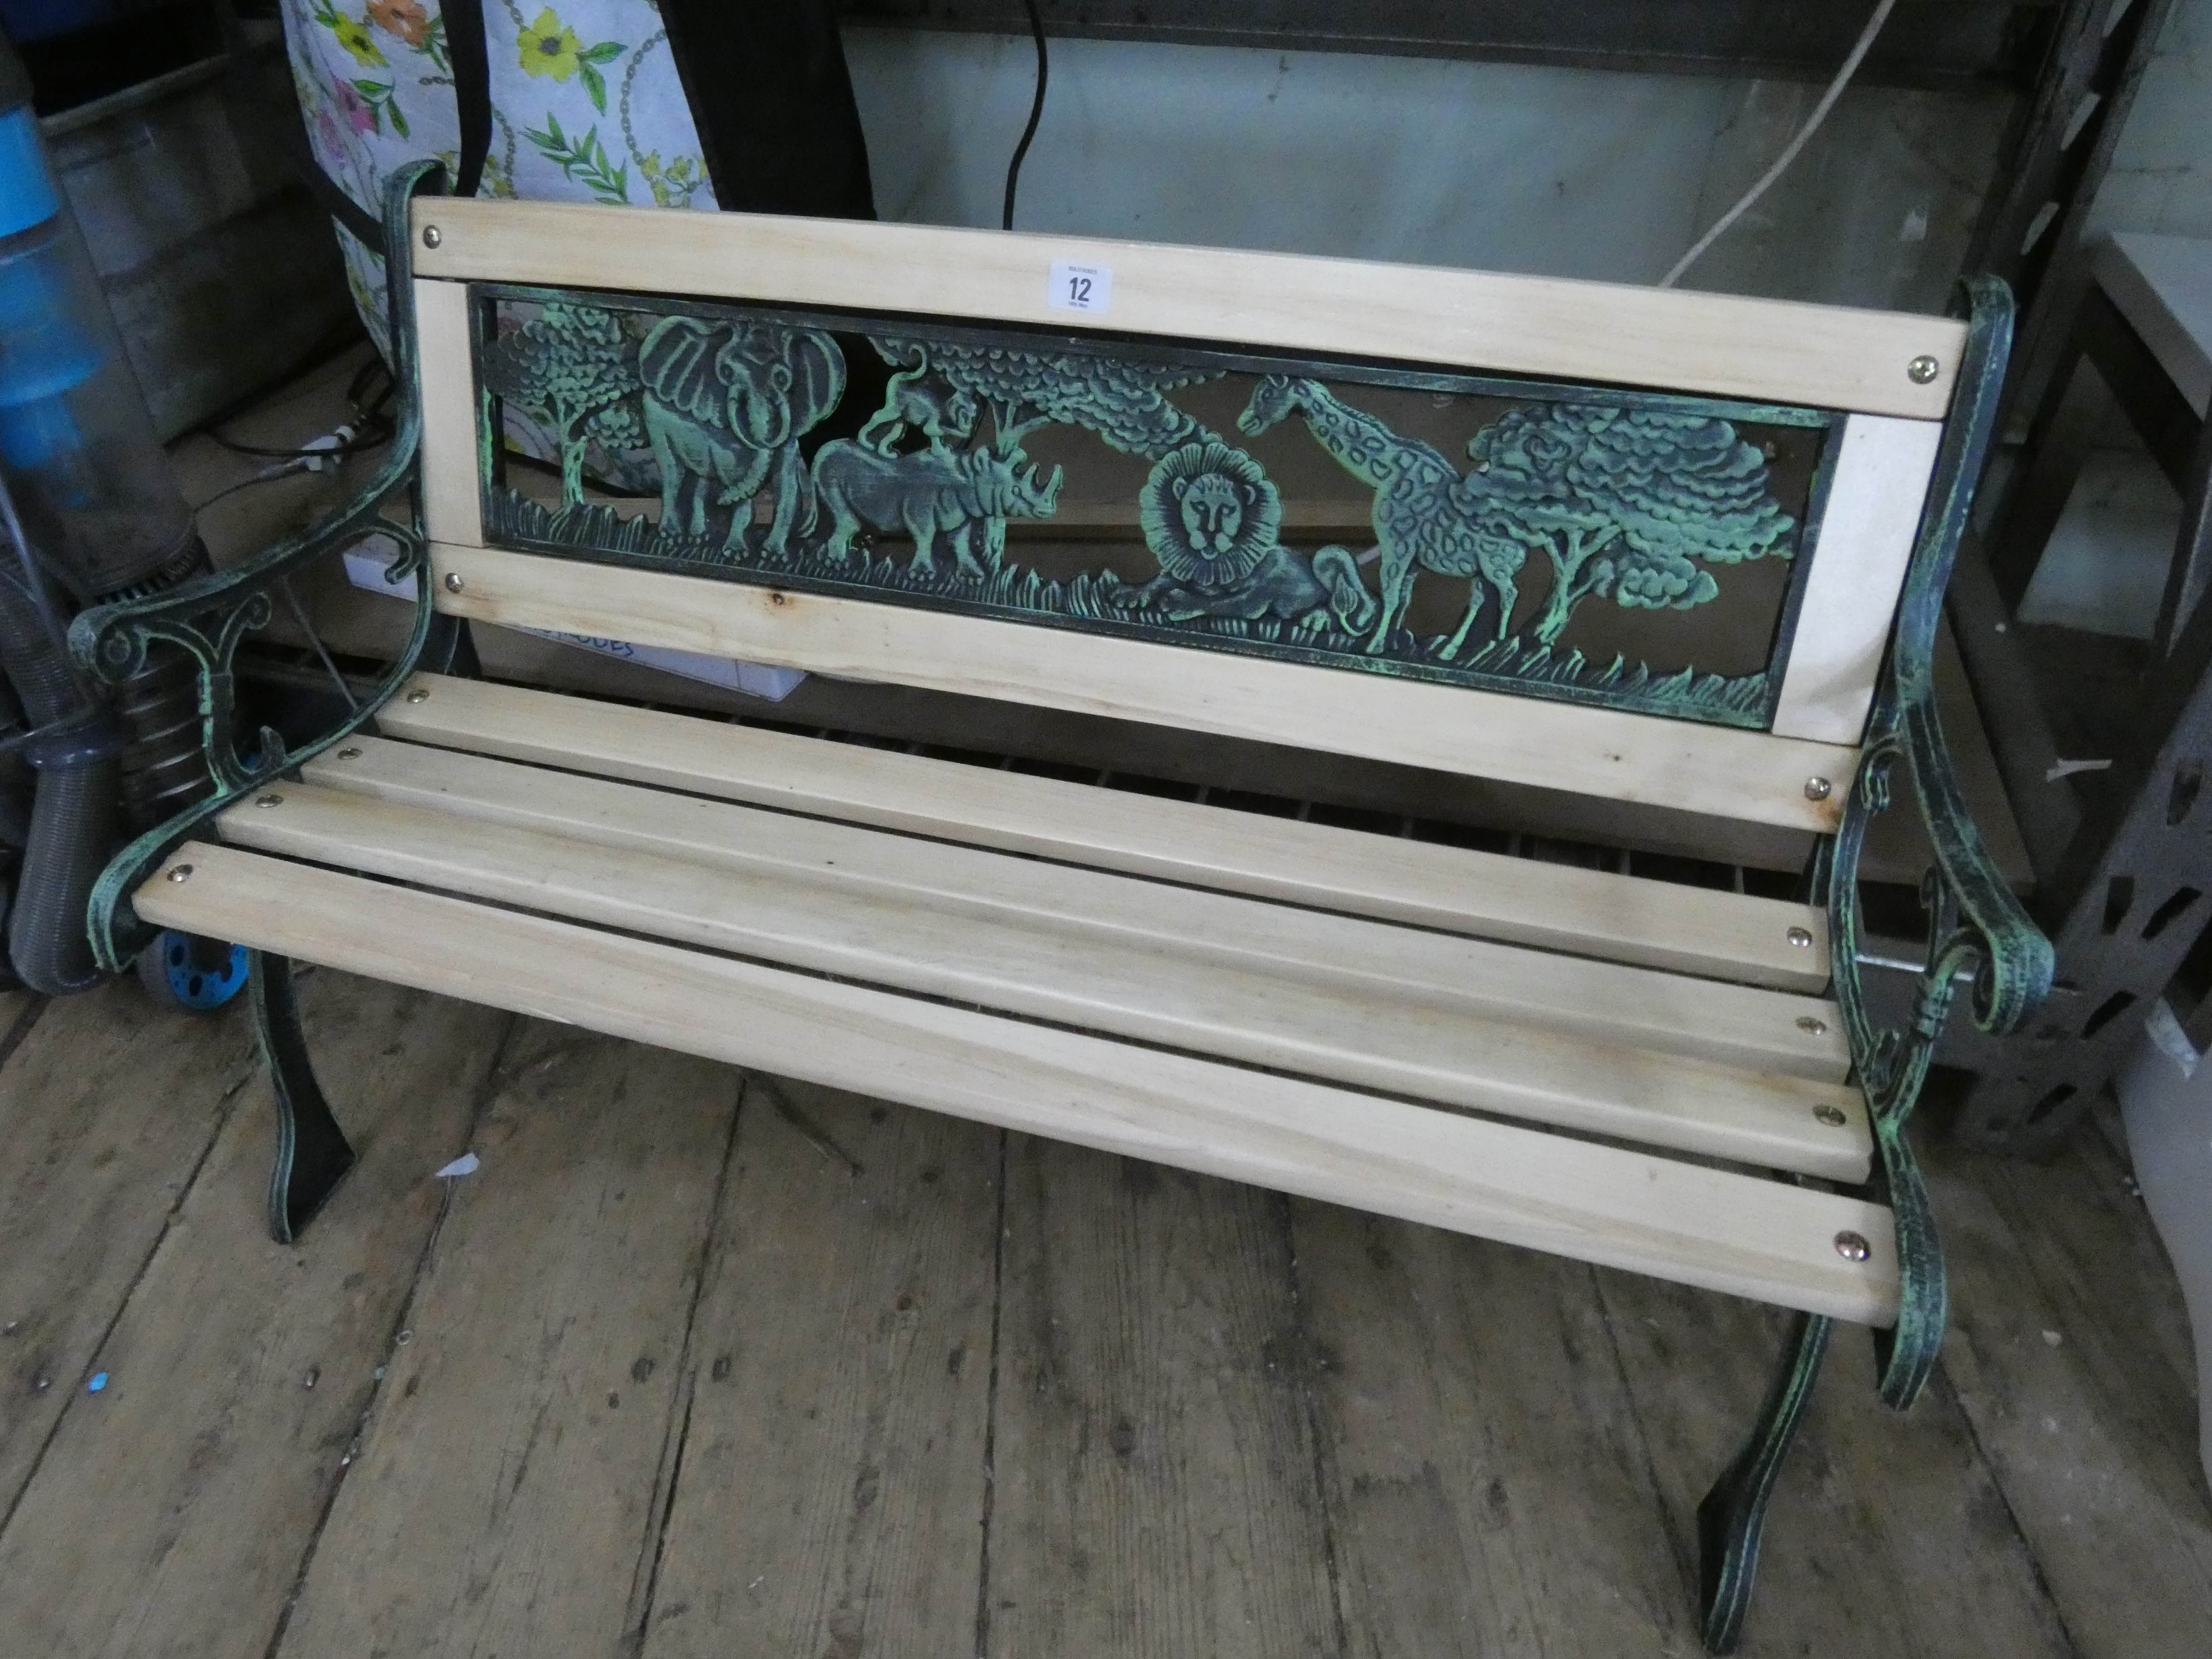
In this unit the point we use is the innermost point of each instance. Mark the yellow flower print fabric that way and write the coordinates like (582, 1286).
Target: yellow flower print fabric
(586, 106)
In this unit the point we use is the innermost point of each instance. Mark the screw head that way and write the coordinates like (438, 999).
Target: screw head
(182, 872)
(1831, 1115)
(1801, 937)
(1819, 789)
(350, 752)
(269, 800)
(1853, 1247)
(1813, 1023)
(431, 237)
(420, 694)
(453, 582)
(1921, 370)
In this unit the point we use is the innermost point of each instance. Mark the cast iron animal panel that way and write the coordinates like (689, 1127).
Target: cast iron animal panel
(1566, 500)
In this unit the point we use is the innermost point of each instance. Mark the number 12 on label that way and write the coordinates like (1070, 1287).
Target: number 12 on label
(1079, 288)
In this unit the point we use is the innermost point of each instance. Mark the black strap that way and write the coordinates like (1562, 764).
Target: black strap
(773, 104)
(471, 59)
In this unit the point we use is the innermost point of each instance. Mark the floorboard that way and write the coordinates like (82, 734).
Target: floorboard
(2062, 1358)
(106, 1108)
(1886, 1536)
(1487, 1487)
(698, 1364)
(238, 1373)
(837, 1398)
(504, 1501)
(1154, 1492)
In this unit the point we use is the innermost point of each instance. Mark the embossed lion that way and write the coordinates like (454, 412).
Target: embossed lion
(1210, 514)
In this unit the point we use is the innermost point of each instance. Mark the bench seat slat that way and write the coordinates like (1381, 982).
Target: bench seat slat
(949, 889)
(1361, 1029)
(1657, 923)
(1713, 1228)
(1723, 771)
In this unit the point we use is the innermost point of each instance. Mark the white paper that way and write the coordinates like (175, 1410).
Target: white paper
(2166, 1034)
(465, 1165)
(365, 569)
(1079, 288)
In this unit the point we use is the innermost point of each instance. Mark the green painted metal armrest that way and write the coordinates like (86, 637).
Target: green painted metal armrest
(209, 617)
(1977, 929)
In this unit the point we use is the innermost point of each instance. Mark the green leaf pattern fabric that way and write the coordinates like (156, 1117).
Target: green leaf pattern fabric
(586, 106)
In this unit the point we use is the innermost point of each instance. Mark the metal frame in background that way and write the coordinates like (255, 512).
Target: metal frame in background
(2124, 864)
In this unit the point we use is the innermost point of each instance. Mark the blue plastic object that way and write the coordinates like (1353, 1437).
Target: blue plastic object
(199, 973)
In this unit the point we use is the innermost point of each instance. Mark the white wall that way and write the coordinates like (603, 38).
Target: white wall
(1577, 173)
(2161, 176)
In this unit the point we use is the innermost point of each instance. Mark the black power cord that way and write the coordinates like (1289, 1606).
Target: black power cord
(1036, 114)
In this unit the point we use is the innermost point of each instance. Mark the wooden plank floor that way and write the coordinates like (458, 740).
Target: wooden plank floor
(700, 1363)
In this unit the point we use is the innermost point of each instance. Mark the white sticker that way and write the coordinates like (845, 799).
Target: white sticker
(1080, 287)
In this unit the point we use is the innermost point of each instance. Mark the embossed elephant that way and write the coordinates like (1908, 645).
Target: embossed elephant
(725, 403)
(965, 495)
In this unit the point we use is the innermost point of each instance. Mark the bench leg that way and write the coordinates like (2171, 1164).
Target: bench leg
(1734, 1510)
(312, 1151)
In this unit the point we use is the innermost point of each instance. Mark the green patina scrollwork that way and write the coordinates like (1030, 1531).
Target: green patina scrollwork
(1636, 504)
(210, 616)
(1977, 931)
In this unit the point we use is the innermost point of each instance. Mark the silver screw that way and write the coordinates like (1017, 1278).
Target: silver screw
(1801, 937)
(182, 872)
(420, 694)
(349, 754)
(1852, 1247)
(269, 800)
(453, 582)
(430, 236)
(1831, 1115)
(1808, 1023)
(1919, 371)
(1819, 789)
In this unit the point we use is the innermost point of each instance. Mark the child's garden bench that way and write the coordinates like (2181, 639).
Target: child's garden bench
(1672, 549)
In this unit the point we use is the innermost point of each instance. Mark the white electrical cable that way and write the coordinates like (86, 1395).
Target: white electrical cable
(1781, 162)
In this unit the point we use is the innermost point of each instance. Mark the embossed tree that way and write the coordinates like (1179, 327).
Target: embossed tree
(1122, 401)
(576, 368)
(1624, 502)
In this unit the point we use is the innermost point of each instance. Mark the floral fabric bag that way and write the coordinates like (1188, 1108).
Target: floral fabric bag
(586, 105)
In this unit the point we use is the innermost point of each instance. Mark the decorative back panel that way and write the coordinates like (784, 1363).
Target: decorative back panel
(1634, 551)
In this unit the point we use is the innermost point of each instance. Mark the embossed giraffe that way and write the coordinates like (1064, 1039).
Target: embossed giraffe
(1423, 514)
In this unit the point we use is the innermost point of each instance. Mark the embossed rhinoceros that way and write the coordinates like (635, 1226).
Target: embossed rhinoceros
(965, 495)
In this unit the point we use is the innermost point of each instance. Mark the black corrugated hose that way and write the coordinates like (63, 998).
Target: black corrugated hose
(75, 747)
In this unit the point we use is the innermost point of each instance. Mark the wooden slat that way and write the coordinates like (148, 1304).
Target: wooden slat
(1555, 907)
(1865, 542)
(1715, 769)
(1774, 350)
(1300, 1014)
(1738, 1233)
(452, 499)
(1080, 909)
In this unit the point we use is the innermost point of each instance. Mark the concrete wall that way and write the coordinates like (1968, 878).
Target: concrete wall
(1572, 172)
